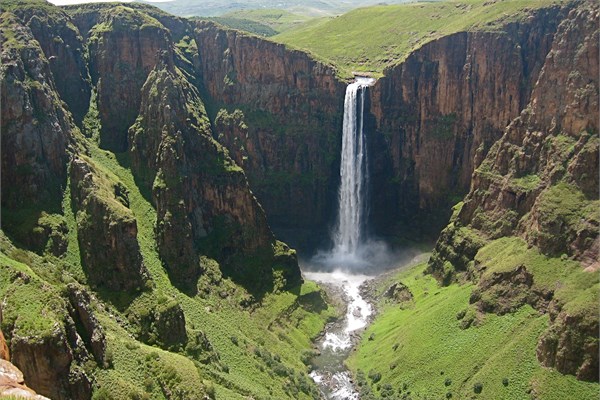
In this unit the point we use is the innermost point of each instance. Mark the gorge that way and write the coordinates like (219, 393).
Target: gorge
(152, 164)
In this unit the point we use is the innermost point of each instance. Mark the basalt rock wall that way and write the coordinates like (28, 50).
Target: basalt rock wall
(279, 113)
(439, 112)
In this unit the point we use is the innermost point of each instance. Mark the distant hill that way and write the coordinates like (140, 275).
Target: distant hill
(262, 22)
(370, 39)
(217, 8)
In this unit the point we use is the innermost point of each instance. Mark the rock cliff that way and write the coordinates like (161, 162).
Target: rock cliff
(36, 132)
(204, 204)
(438, 113)
(63, 47)
(279, 113)
(124, 47)
(135, 96)
(106, 229)
(539, 182)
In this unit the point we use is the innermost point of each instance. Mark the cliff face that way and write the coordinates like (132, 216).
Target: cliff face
(203, 203)
(432, 119)
(125, 45)
(36, 133)
(106, 229)
(438, 113)
(279, 114)
(63, 48)
(35, 129)
(539, 182)
(61, 200)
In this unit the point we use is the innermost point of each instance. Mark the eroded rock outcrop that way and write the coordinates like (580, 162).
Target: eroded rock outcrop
(91, 331)
(203, 201)
(162, 325)
(36, 132)
(12, 383)
(106, 229)
(64, 49)
(125, 45)
(44, 342)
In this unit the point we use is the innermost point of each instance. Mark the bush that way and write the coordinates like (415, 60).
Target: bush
(478, 387)
(102, 394)
(108, 359)
(210, 389)
(374, 376)
(505, 381)
(449, 395)
(448, 382)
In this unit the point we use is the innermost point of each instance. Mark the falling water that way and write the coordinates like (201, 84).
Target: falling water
(352, 196)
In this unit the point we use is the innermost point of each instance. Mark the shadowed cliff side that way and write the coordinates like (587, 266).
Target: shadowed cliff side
(203, 201)
(279, 113)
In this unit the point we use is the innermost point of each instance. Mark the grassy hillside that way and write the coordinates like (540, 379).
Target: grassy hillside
(233, 351)
(422, 349)
(370, 39)
(263, 22)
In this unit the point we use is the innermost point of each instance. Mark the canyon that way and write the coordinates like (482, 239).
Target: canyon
(151, 163)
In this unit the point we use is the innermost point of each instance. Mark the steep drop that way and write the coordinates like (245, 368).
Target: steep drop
(353, 190)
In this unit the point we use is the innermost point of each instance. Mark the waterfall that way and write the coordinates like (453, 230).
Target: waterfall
(350, 230)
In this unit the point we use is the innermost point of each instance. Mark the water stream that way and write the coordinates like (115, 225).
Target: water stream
(335, 346)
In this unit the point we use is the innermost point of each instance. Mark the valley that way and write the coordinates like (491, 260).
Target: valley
(398, 202)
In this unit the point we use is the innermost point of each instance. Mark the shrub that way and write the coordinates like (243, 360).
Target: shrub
(449, 395)
(505, 381)
(478, 387)
(210, 389)
(374, 376)
(102, 394)
(448, 382)
(148, 384)
(108, 359)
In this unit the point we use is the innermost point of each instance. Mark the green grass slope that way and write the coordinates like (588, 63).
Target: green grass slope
(373, 38)
(262, 22)
(421, 351)
(258, 351)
